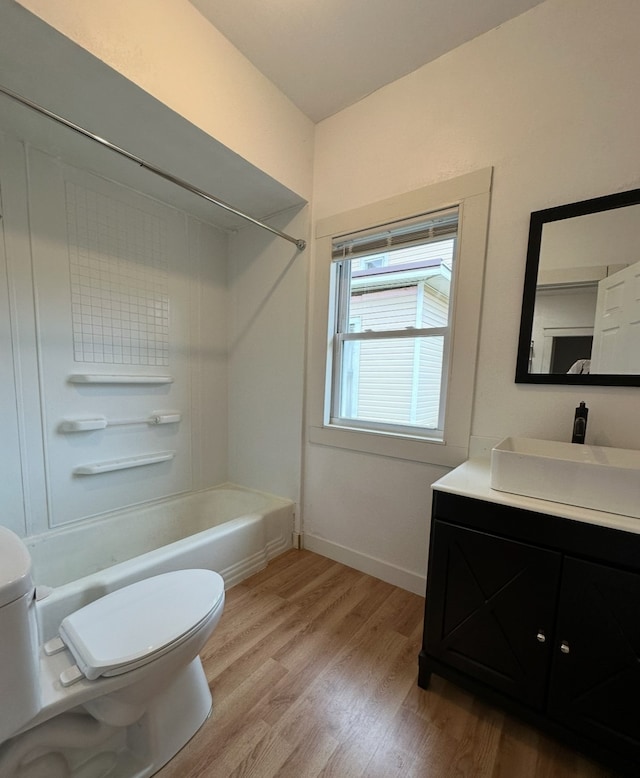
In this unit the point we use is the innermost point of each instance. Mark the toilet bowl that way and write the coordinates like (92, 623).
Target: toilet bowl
(120, 689)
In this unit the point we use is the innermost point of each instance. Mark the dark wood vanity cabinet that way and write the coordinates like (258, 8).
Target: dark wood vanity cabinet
(491, 609)
(595, 676)
(541, 615)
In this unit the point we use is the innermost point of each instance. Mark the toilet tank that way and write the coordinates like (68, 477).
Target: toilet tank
(19, 681)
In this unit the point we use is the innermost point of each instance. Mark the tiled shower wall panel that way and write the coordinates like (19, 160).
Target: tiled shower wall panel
(118, 267)
(112, 279)
(12, 497)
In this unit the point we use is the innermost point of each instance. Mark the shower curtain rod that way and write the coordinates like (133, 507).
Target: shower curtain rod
(298, 242)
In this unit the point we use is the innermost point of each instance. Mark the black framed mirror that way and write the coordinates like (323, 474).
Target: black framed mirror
(580, 319)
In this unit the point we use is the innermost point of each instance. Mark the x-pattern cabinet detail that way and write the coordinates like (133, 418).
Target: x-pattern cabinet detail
(541, 615)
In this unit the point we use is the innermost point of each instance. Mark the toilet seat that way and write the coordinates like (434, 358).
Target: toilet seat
(134, 625)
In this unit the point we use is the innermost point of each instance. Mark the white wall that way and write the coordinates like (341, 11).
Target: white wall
(550, 101)
(172, 52)
(594, 240)
(208, 360)
(267, 320)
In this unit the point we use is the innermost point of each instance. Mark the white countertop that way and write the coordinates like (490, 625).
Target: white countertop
(472, 479)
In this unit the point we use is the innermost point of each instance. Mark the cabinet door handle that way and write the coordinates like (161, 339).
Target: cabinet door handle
(564, 647)
(541, 637)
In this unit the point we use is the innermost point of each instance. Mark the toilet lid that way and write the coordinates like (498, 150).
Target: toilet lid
(132, 624)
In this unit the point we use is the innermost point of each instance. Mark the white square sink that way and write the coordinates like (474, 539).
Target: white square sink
(598, 477)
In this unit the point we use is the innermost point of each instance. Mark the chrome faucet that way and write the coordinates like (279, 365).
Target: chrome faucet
(580, 424)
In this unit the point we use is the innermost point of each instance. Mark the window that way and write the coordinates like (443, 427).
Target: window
(391, 289)
(374, 261)
(395, 316)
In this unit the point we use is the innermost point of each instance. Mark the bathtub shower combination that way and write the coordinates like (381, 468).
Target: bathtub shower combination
(154, 574)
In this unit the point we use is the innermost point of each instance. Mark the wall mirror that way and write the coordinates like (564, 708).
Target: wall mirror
(581, 303)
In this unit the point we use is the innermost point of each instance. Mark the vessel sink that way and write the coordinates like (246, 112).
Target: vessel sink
(598, 477)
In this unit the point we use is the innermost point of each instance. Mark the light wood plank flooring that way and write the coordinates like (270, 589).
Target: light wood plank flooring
(313, 671)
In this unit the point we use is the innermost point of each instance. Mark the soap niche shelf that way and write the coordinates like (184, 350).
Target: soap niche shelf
(120, 378)
(124, 464)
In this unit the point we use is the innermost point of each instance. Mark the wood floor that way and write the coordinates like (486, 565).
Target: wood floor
(313, 671)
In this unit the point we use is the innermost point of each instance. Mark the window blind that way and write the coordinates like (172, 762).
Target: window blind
(399, 235)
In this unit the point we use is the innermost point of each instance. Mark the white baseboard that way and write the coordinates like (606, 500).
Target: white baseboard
(378, 568)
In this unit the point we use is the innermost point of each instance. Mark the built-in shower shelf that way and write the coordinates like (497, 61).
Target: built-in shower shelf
(123, 464)
(120, 378)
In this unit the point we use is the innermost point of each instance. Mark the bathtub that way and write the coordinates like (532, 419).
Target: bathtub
(229, 529)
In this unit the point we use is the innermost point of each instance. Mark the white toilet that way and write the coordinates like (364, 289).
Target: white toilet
(121, 689)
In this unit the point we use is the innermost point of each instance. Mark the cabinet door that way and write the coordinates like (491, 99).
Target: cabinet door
(490, 609)
(595, 681)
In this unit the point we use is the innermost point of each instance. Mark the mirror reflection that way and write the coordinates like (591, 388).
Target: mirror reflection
(581, 304)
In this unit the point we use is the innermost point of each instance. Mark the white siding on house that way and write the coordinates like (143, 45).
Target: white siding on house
(385, 380)
(395, 380)
(390, 309)
(439, 249)
(429, 382)
(435, 308)
(435, 313)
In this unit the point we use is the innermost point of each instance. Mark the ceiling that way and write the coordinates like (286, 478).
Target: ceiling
(327, 54)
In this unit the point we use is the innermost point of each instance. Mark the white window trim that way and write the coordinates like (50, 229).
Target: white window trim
(471, 193)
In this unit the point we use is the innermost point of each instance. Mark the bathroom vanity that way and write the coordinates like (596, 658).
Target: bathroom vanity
(535, 606)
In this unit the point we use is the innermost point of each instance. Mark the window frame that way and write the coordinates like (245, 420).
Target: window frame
(471, 194)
